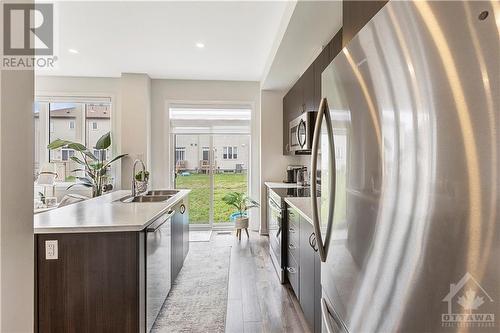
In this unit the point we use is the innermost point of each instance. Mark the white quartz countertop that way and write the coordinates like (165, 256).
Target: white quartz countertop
(282, 185)
(303, 206)
(103, 214)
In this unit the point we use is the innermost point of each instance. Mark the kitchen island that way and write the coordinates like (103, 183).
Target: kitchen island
(106, 264)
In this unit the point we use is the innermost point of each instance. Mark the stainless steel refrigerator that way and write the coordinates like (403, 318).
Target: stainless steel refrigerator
(407, 139)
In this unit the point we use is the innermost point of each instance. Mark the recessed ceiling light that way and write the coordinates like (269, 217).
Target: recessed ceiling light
(200, 45)
(73, 51)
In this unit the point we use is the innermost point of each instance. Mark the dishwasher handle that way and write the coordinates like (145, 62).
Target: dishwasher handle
(164, 219)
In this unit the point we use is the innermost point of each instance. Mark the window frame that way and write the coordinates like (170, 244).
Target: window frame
(181, 151)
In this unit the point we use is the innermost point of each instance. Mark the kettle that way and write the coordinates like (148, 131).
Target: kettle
(302, 176)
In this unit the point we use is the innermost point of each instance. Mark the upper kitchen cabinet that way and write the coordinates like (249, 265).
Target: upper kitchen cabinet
(308, 89)
(355, 16)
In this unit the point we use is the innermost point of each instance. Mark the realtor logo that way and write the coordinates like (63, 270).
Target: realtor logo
(28, 29)
(464, 302)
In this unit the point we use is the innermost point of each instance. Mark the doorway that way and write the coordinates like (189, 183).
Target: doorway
(211, 166)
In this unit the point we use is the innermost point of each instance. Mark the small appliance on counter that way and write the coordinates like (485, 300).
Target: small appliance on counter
(291, 173)
(302, 177)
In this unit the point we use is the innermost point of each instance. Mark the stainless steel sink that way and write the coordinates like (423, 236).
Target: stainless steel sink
(162, 192)
(146, 198)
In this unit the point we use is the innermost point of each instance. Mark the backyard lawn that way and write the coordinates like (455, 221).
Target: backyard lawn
(199, 198)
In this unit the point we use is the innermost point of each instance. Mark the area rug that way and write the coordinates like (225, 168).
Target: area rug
(200, 236)
(198, 299)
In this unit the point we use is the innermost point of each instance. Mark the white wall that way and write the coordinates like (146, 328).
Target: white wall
(16, 201)
(165, 92)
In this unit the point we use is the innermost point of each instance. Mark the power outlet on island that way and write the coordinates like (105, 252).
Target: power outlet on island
(51, 250)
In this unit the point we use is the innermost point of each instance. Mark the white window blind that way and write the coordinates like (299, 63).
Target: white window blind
(206, 120)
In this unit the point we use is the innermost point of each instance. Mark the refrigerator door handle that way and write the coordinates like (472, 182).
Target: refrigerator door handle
(329, 319)
(323, 244)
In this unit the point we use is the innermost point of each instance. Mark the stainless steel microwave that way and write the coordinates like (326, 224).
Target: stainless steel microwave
(300, 134)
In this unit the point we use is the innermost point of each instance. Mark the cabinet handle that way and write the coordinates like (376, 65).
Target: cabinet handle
(182, 209)
(287, 147)
(291, 270)
(312, 242)
(165, 219)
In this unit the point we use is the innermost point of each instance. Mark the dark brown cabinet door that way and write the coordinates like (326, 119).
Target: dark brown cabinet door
(355, 16)
(320, 64)
(307, 80)
(335, 46)
(93, 286)
(287, 109)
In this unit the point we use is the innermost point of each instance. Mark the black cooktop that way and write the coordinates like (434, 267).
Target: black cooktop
(297, 192)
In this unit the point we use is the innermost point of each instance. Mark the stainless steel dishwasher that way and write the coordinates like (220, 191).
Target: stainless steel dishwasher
(158, 269)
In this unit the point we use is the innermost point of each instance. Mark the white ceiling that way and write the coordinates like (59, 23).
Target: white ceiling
(159, 38)
(311, 25)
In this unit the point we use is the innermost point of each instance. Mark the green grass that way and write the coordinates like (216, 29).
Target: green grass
(199, 198)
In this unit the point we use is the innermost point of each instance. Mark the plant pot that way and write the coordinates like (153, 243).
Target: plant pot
(241, 223)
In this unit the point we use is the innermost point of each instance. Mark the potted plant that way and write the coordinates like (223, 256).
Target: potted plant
(95, 169)
(242, 203)
(141, 180)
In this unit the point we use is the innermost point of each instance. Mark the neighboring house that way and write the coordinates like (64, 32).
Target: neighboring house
(67, 122)
(230, 153)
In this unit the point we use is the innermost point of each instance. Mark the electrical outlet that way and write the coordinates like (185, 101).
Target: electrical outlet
(51, 250)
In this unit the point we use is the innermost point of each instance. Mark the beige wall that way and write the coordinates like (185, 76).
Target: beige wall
(135, 123)
(16, 201)
(273, 163)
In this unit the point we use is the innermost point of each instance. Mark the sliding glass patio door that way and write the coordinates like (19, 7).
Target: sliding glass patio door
(211, 165)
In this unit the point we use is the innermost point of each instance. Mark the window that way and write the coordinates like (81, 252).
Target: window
(66, 154)
(230, 153)
(81, 122)
(205, 153)
(180, 154)
(100, 154)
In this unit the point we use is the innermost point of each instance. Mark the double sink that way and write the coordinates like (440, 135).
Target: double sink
(150, 196)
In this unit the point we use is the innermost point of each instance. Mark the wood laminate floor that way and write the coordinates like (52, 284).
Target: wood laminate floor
(257, 302)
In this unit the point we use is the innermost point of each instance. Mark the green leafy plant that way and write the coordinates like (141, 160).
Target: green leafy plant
(95, 169)
(240, 201)
(142, 176)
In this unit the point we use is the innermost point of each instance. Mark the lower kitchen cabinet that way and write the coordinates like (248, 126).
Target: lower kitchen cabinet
(306, 276)
(93, 285)
(97, 281)
(304, 268)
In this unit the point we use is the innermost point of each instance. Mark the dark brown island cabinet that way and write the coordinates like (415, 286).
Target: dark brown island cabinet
(305, 94)
(98, 281)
